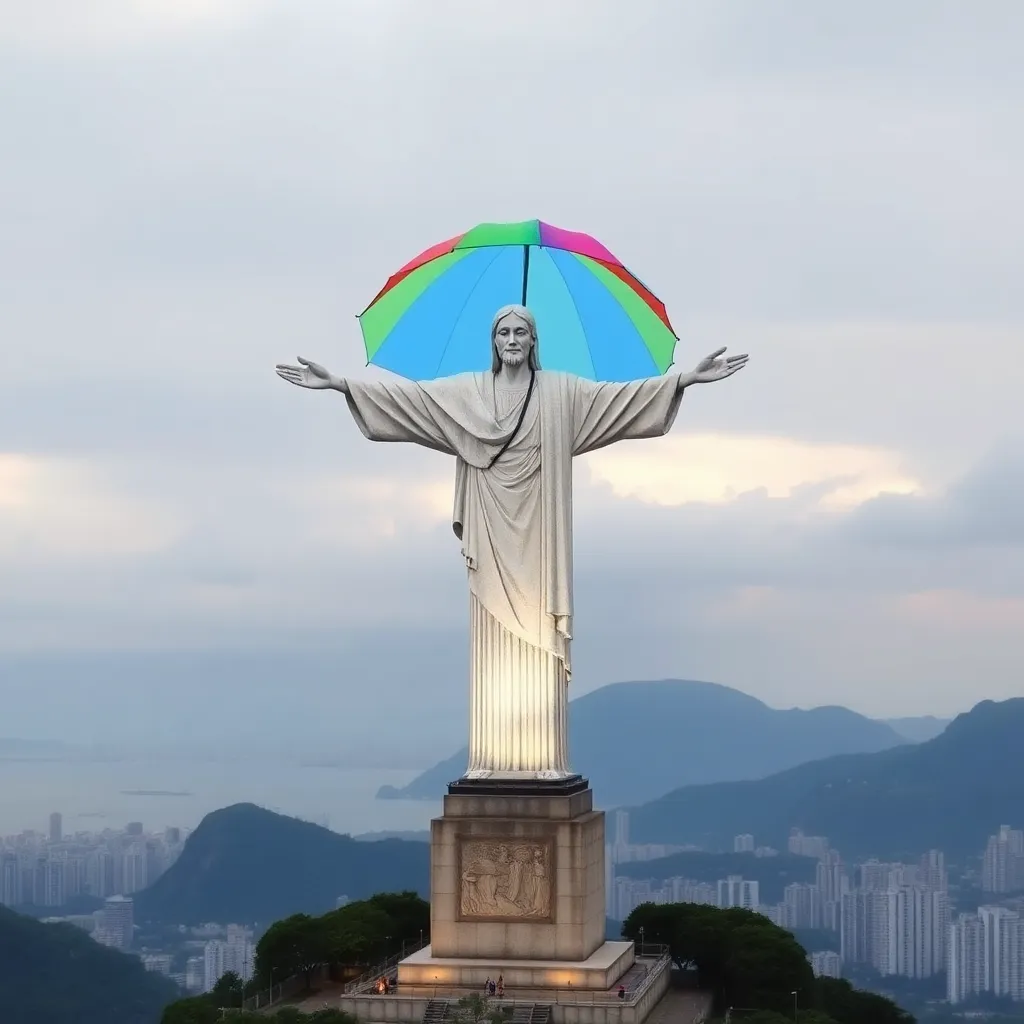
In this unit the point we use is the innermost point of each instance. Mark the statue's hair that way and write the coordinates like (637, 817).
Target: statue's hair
(524, 314)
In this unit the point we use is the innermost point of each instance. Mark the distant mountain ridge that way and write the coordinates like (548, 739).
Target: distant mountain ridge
(918, 729)
(636, 741)
(57, 974)
(247, 864)
(949, 793)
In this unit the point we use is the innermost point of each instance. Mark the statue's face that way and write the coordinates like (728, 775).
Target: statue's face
(513, 339)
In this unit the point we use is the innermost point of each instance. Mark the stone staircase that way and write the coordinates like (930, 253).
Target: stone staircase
(436, 1011)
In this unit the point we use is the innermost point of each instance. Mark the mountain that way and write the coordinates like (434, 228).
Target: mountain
(55, 973)
(636, 741)
(918, 730)
(949, 793)
(246, 864)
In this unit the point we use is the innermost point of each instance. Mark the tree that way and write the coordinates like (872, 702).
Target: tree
(409, 916)
(765, 965)
(740, 956)
(358, 933)
(848, 1005)
(227, 991)
(746, 961)
(297, 945)
(197, 1010)
(476, 1009)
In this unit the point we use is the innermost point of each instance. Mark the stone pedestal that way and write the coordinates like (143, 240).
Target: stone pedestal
(517, 887)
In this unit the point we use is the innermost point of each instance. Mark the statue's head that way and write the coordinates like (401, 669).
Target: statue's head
(514, 338)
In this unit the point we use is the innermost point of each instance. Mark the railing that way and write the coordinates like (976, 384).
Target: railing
(664, 962)
(276, 992)
(366, 980)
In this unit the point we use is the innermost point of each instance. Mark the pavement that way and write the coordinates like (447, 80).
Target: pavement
(681, 1006)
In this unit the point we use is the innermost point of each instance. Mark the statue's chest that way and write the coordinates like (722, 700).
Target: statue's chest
(507, 410)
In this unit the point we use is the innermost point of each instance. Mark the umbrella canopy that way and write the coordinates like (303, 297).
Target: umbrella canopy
(594, 318)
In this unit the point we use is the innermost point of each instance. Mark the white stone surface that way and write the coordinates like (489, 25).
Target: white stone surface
(598, 972)
(513, 515)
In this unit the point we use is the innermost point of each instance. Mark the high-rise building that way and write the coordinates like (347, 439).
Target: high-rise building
(53, 894)
(807, 846)
(883, 925)
(743, 843)
(965, 972)
(826, 964)
(921, 932)
(239, 955)
(932, 871)
(853, 928)
(878, 877)
(986, 954)
(734, 891)
(803, 906)
(195, 974)
(158, 963)
(115, 923)
(99, 873)
(214, 955)
(898, 931)
(56, 827)
(620, 820)
(1002, 868)
(1011, 968)
(10, 881)
(135, 867)
(993, 937)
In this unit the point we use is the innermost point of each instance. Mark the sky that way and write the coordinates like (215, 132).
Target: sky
(191, 191)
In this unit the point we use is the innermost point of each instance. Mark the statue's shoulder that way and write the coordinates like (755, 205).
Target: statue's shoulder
(557, 379)
(456, 381)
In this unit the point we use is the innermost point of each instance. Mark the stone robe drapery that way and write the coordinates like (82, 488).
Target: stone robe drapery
(515, 523)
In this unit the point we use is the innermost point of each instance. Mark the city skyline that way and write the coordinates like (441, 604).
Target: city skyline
(896, 919)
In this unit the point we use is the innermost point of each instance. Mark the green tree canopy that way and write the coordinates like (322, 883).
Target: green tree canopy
(200, 1011)
(476, 1009)
(740, 956)
(197, 1010)
(296, 945)
(363, 933)
(410, 915)
(849, 1005)
(746, 961)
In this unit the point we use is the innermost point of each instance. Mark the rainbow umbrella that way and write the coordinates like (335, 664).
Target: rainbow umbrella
(594, 318)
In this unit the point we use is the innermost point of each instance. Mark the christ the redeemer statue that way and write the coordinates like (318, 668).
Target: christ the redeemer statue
(513, 431)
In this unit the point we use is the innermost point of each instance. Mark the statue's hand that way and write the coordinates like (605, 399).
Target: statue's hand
(308, 375)
(712, 367)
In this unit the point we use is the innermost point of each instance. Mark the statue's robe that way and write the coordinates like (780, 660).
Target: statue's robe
(514, 520)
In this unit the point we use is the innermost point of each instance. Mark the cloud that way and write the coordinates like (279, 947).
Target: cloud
(192, 192)
(58, 510)
(984, 509)
(713, 469)
(64, 26)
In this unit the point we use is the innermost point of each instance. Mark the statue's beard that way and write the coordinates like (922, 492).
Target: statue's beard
(513, 358)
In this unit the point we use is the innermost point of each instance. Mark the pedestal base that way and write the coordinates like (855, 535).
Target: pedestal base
(517, 875)
(599, 972)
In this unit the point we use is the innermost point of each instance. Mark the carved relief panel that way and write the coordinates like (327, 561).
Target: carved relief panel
(505, 880)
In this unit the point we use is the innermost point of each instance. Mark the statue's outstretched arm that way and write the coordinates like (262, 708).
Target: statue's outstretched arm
(712, 368)
(311, 375)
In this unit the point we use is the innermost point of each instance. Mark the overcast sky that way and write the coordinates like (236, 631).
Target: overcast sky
(194, 190)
